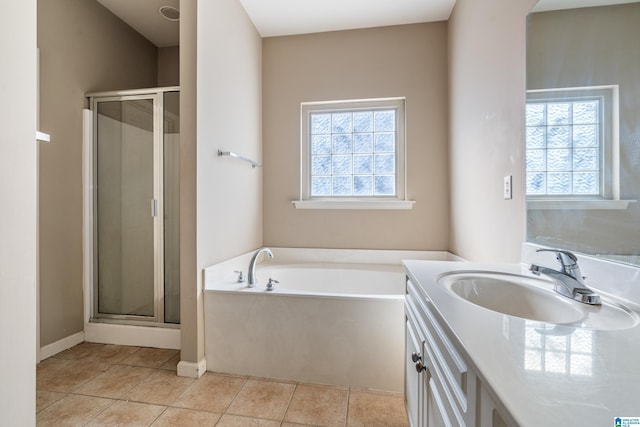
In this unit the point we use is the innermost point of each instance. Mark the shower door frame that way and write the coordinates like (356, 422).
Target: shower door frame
(156, 205)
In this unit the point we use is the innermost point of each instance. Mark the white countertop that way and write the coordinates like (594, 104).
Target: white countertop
(567, 376)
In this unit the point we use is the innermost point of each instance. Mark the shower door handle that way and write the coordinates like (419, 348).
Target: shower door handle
(154, 207)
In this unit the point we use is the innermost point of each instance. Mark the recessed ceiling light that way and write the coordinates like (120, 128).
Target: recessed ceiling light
(170, 13)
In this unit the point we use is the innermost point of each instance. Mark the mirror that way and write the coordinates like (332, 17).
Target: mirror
(583, 137)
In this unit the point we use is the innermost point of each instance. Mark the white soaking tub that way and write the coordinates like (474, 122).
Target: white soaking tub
(326, 322)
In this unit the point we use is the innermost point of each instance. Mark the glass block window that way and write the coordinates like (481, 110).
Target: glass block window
(564, 147)
(353, 149)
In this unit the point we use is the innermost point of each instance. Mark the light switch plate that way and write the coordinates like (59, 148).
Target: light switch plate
(507, 187)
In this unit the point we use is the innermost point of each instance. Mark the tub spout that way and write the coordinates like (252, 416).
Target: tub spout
(251, 275)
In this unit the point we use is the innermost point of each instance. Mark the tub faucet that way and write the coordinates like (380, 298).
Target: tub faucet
(251, 275)
(568, 280)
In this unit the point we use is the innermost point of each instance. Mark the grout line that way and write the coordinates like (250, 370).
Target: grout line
(50, 391)
(346, 420)
(99, 413)
(184, 391)
(234, 397)
(295, 387)
(159, 415)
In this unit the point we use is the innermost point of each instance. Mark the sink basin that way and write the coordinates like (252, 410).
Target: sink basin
(519, 296)
(609, 317)
(534, 299)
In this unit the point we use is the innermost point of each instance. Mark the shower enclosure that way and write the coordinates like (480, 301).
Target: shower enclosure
(136, 268)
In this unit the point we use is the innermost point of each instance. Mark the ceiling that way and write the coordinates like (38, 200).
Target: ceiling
(145, 18)
(546, 5)
(287, 17)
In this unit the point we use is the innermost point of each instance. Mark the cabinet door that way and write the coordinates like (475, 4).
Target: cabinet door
(489, 414)
(436, 414)
(413, 380)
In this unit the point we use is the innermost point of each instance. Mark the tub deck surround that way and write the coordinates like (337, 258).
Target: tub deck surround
(327, 280)
(336, 317)
(542, 375)
(335, 341)
(225, 271)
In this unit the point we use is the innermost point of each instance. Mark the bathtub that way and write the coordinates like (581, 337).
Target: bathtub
(335, 317)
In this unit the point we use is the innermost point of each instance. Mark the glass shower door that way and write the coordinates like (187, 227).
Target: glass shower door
(171, 205)
(128, 246)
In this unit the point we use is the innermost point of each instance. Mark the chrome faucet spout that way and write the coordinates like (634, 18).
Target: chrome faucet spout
(568, 281)
(251, 275)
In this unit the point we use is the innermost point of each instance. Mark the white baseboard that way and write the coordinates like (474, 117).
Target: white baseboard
(61, 345)
(141, 336)
(105, 333)
(192, 369)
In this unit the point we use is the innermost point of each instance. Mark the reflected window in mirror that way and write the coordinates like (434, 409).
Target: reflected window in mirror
(571, 143)
(587, 47)
(558, 350)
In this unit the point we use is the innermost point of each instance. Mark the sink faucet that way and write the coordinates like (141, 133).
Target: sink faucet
(568, 281)
(251, 275)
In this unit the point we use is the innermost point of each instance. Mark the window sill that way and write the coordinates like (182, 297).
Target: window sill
(353, 204)
(569, 204)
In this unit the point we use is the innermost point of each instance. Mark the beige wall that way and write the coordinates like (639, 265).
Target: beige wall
(168, 66)
(83, 48)
(407, 61)
(228, 217)
(486, 142)
(18, 169)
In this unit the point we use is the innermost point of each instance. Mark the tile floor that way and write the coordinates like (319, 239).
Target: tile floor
(111, 385)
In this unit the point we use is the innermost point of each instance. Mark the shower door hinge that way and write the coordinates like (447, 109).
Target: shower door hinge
(154, 207)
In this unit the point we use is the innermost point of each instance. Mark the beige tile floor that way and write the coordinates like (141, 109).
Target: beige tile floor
(111, 385)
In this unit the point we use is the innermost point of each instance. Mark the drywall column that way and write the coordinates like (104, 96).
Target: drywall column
(487, 53)
(18, 214)
(191, 309)
(230, 103)
(221, 199)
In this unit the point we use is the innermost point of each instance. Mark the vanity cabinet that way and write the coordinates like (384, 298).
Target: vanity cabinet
(441, 389)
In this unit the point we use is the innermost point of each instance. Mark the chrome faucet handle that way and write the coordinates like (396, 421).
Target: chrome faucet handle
(240, 276)
(568, 262)
(270, 284)
(565, 257)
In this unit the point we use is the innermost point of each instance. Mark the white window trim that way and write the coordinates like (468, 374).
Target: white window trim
(354, 204)
(611, 155)
(399, 201)
(580, 204)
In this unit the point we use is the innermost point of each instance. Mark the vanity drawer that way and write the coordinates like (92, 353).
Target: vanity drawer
(414, 296)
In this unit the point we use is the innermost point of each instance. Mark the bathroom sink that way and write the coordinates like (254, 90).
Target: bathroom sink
(515, 295)
(534, 299)
(609, 317)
